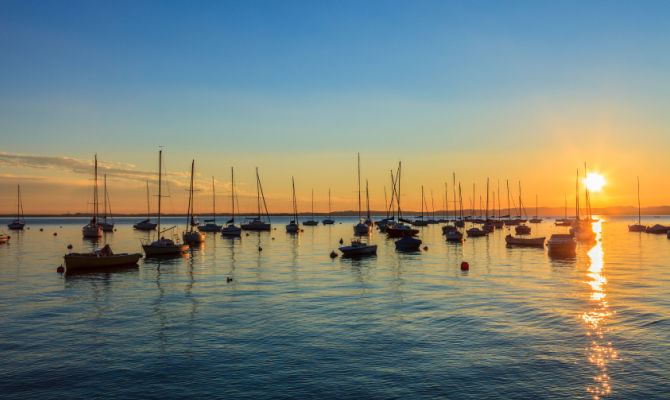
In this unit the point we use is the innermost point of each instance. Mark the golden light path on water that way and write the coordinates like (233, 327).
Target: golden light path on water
(600, 352)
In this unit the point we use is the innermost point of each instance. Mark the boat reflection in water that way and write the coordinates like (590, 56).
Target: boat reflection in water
(600, 352)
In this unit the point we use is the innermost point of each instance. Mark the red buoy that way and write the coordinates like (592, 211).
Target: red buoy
(425, 248)
(465, 266)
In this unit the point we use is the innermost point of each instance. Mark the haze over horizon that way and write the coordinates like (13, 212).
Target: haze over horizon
(518, 90)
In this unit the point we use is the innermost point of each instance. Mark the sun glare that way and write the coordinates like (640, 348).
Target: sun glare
(594, 181)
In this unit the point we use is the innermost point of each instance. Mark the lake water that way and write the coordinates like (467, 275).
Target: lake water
(296, 323)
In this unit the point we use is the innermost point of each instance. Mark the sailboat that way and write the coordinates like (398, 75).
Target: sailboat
(93, 230)
(293, 226)
(329, 220)
(565, 221)
(258, 223)
(20, 220)
(311, 222)
(398, 229)
(582, 229)
(536, 219)
(420, 222)
(210, 224)
(498, 222)
(146, 225)
(231, 230)
(361, 228)
(521, 229)
(105, 224)
(368, 220)
(163, 246)
(191, 235)
(637, 227)
(488, 224)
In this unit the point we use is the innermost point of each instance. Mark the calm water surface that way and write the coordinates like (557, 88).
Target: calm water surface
(295, 323)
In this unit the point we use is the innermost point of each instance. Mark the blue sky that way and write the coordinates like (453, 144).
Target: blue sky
(234, 80)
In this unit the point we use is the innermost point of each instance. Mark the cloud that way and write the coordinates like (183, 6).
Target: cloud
(114, 170)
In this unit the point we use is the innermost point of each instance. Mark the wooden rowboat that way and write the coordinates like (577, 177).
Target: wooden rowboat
(527, 242)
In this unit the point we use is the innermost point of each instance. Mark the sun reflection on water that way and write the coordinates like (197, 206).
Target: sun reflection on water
(599, 351)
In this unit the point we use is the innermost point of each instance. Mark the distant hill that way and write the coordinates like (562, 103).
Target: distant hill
(542, 211)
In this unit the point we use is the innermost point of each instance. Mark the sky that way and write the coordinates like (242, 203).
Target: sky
(521, 91)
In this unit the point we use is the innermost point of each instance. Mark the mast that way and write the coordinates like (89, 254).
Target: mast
(498, 198)
(189, 211)
(312, 204)
(213, 202)
(329, 212)
(95, 192)
(454, 188)
(487, 199)
(232, 192)
(446, 202)
(104, 197)
(421, 202)
(509, 209)
(295, 204)
(638, 202)
(535, 206)
(460, 200)
(432, 203)
(359, 187)
(388, 209)
(398, 186)
(260, 191)
(367, 200)
(577, 197)
(565, 198)
(519, 199)
(160, 189)
(258, 194)
(148, 204)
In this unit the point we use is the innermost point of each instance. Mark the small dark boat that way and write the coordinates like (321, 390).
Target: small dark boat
(561, 245)
(408, 243)
(454, 236)
(476, 232)
(358, 249)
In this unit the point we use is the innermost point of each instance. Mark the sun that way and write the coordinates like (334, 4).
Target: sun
(594, 181)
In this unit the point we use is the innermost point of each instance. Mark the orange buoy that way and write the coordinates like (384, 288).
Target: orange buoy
(55, 234)
(69, 246)
(465, 266)
(425, 248)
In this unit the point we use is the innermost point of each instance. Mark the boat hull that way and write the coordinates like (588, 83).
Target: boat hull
(158, 251)
(210, 228)
(231, 231)
(408, 243)
(358, 251)
(92, 232)
(193, 237)
(310, 223)
(256, 227)
(361, 229)
(328, 222)
(145, 226)
(523, 242)
(80, 262)
(400, 232)
(106, 227)
(17, 226)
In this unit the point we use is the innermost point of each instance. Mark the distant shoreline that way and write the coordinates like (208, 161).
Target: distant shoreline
(542, 212)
